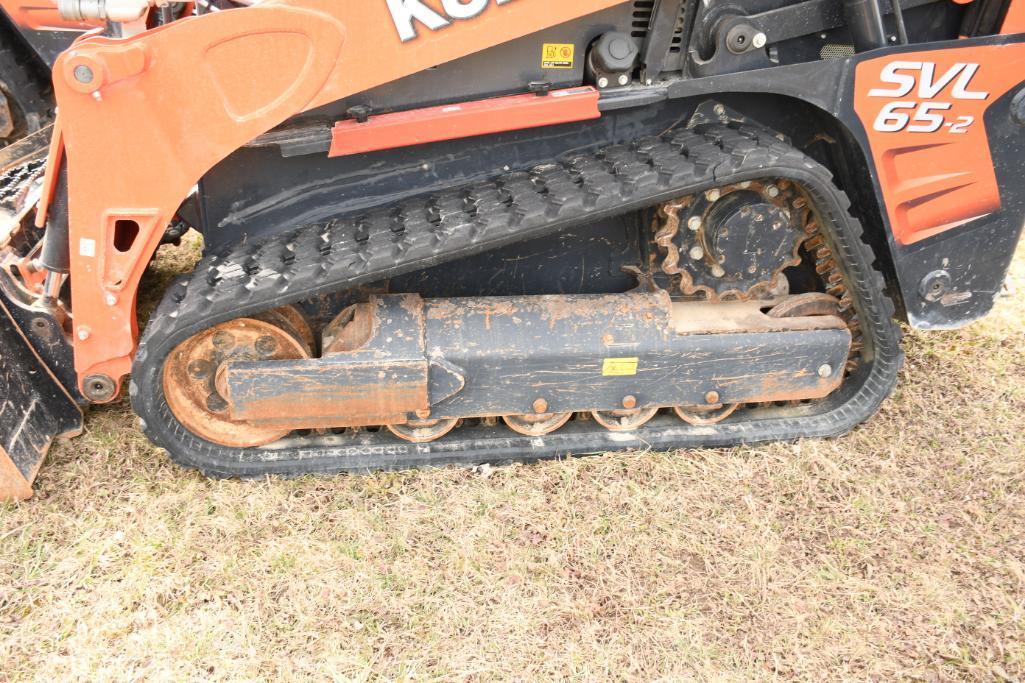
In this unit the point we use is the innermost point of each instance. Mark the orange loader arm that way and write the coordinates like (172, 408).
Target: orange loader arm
(142, 119)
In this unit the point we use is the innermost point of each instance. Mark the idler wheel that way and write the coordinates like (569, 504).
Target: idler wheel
(191, 371)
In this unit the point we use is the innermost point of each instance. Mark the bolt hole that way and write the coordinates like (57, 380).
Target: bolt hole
(125, 233)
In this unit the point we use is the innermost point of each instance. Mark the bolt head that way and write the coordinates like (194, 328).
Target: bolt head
(111, 299)
(712, 398)
(630, 402)
(719, 110)
(223, 340)
(266, 346)
(423, 414)
(694, 223)
(540, 406)
(83, 333)
(83, 74)
(624, 79)
(717, 271)
(772, 191)
(199, 370)
(759, 40)
(713, 195)
(603, 82)
(825, 371)
(696, 253)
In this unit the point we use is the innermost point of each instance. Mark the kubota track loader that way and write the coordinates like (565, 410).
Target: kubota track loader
(465, 231)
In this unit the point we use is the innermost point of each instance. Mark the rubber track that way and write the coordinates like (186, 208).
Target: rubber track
(517, 206)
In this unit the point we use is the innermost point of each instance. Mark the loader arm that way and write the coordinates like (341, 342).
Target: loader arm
(196, 90)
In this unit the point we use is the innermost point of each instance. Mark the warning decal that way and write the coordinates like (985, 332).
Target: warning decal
(557, 56)
(619, 367)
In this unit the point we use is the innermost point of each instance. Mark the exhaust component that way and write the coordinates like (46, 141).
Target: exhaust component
(865, 21)
(534, 361)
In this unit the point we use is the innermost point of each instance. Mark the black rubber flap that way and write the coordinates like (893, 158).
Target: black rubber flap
(34, 410)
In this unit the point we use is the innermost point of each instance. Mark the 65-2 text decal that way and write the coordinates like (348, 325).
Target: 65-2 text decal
(925, 97)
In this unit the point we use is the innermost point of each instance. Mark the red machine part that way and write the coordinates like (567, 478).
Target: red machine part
(1014, 20)
(144, 118)
(467, 119)
(924, 116)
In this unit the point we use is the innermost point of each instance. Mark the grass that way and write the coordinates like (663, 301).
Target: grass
(893, 553)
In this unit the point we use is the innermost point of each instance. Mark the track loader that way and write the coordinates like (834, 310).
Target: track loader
(468, 231)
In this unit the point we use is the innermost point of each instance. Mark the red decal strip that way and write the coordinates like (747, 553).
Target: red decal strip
(467, 119)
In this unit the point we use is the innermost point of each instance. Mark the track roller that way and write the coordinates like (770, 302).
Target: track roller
(624, 420)
(536, 425)
(423, 431)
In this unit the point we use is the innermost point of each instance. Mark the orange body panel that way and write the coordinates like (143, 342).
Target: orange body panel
(467, 119)
(1014, 20)
(924, 116)
(163, 107)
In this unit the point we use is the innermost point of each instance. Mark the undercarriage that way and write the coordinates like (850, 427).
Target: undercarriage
(311, 353)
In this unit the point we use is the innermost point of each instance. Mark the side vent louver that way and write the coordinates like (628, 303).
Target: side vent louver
(641, 18)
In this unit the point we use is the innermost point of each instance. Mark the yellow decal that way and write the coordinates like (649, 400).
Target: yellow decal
(557, 56)
(619, 367)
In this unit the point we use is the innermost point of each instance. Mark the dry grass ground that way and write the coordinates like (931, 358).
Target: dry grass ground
(893, 553)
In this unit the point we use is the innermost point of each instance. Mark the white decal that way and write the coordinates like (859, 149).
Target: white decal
(920, 78)
(87, 247)
(405, 14)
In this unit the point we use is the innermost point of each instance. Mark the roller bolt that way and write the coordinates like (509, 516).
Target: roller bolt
(712, 398)
(266, 346)
(825, 371)
(717, 271)
(223, 340)
(772, 191)
(713, 195)
(759, 40)
(199, 369)
(540, 406)
(630, 402)
(624, 79)
(216, 404)
(423, 414)
(111, 299)
(694, 223)
(697, 253)
(603, 82)
(84, 333)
